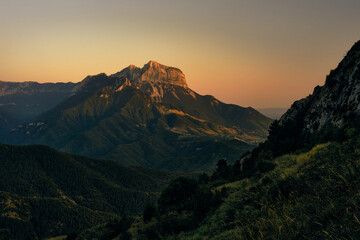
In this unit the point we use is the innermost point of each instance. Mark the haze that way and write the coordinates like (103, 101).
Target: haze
(251, 53)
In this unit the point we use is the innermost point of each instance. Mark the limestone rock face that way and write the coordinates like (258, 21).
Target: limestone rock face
(337, 102)
(153, 72)
(153, 78)
(156, 73)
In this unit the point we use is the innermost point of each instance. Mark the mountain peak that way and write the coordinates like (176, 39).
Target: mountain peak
(153, 73)
(153, 63)
(132, 66)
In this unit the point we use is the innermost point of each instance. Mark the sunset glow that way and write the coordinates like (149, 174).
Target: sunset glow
(251, 53)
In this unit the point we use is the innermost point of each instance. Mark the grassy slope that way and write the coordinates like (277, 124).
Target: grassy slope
(310, 195)
(314, 195)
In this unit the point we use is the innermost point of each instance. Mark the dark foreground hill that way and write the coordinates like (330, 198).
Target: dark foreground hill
(311, 195)
(148, 117)
(44, 192)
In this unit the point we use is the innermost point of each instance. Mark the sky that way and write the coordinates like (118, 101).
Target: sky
(255, 53)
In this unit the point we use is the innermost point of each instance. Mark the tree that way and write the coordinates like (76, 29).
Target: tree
(222, 170)
(178, 195)
(149, 212)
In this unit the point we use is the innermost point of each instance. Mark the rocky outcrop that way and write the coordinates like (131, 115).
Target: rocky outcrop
(337, 102)
(153, 78)
(154, 73)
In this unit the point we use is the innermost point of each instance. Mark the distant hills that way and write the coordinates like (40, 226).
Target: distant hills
(273, 113)
(44, 192)
(23, 101)
(146, 116)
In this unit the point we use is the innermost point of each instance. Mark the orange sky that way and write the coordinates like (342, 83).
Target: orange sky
(251, 53)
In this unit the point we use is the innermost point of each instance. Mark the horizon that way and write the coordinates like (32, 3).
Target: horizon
(262, 55)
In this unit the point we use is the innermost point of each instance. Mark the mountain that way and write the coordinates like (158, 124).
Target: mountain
(301, 183)
(45, 193)
(149, 117)
(22, 101)
(6, 122)
(273, 113)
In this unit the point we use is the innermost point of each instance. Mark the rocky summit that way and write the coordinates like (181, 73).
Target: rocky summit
(153, 72)
(153, 78)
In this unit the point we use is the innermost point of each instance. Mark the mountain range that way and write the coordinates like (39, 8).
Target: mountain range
(23, 101)
(273, 113)
(145, 116)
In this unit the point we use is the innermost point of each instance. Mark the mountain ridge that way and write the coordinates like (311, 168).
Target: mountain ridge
(337, 102)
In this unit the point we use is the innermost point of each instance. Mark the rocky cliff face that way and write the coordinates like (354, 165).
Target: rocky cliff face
(155, 73)
(153, 78)
(337, 102)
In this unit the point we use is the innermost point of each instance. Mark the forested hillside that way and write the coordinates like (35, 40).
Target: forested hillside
(45, 192)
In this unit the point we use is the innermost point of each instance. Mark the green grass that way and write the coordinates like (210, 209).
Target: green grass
(309, 195)
(313, 195)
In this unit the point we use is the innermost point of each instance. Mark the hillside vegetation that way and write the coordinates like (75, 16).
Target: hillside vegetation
(47, 193)
(309, 195)
(313, 195)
